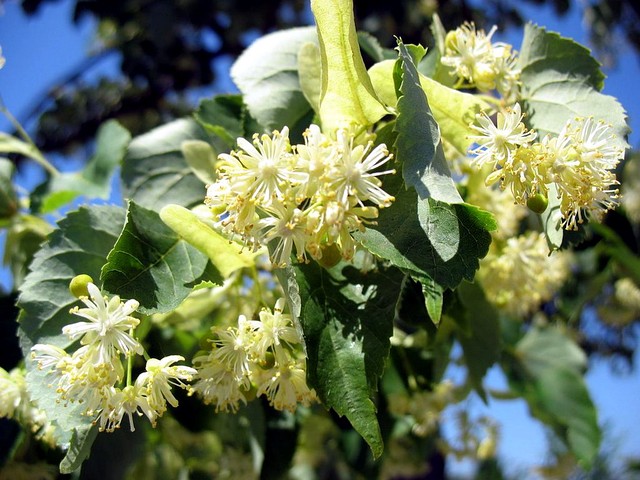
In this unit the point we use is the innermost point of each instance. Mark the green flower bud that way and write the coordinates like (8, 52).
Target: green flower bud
(538, 203)
(78, 285)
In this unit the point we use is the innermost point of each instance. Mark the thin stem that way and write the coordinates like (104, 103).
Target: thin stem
(35, 153)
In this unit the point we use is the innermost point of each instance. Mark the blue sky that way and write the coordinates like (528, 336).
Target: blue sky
(41, 49)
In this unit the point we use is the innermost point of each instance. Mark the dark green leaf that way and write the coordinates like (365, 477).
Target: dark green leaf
(419, 146)
(266, 74)
(430, 239)
(347, 334)
(155, 173)
(151, 263)
(222, 115)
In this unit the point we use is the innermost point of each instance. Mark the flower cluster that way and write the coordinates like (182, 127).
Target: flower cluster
(16, 404)
(579, 161)
(307, 198)
(261, 357)
(479, 63)
(94, 374)
(521, 275)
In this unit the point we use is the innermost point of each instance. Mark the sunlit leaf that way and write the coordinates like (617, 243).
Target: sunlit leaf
(266, 74)
(419, 146)
(561, 81)
(347, 94)
(454, 111)
(151, 263)
(155, 173)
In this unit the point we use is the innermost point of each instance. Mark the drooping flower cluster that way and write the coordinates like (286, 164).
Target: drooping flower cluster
(264, 354)
(521, 275)
(303, 198)
(579, 161)
(479, 63)
(16, 404)
(94, 374)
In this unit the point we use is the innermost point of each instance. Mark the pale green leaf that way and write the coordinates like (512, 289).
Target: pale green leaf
(8, 196)
(434, 298)
(11, 144)
(155, 173)
(151, 263)
(552, 219)
(94, 180)
(79, 449)
(310, 72)
(418, 145)
(561, 81)
(201, 157)
(266, 74)
(549, 376)
(454, 111)
(226, 256)
(347, 94)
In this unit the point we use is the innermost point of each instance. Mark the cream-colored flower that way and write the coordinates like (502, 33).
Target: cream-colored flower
(158, 378)
(285, 385)
(521, 275)
(108, 326)
(497, 144)
(12, 392)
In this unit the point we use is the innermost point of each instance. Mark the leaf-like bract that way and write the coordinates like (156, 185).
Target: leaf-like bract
(347, 95)
(151, 263)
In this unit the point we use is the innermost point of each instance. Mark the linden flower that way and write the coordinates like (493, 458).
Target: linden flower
(521, 275)
(158, 378)
(285, 386)
(109, 322)
(273, 329)
(582, 162)
(468, 52)
(497, 144)
(262, 171)
(354, 172)
(12, 392)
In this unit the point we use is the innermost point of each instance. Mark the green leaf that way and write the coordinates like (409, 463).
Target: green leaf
(151, 263)
(8, 196)
(454, 111)
(23, 239)
(432, 239)
(550, 379)
(482, 345)
(94, 181)
(81, 441)
(226, 256)
(347, 93)
(200, 156)
(561, 81)
(222, 115)
(266, 74)
(433, 297)
(347, 330)
(310, 72)
(418, 146)
(79, 245)
(155, 173)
